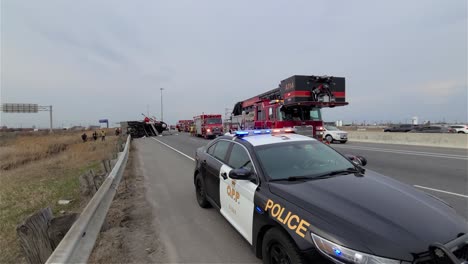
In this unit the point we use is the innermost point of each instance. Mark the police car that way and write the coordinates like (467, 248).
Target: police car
(292, 197)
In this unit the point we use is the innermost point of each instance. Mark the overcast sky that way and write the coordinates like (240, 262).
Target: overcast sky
(108, 59)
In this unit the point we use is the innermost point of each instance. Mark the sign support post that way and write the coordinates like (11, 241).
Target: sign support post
(50, 115)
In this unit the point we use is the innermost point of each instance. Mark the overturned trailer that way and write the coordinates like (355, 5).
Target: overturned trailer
(139, 129)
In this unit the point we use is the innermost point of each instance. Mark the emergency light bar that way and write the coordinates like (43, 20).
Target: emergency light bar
(243, 133)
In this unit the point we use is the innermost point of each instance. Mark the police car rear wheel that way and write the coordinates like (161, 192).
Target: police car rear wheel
(200, 192)
(329, 138)
(278, 248)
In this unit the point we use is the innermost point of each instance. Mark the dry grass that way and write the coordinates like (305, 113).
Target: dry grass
(36, 171)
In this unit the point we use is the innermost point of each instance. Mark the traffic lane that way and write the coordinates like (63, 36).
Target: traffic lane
(408, 168)
(184, 142)
(399, 147)
(434, 172)
(189, 233)
(188, 143)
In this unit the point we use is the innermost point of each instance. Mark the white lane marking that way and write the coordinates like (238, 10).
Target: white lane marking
(441, 191)
(408, 152)
(178, 151)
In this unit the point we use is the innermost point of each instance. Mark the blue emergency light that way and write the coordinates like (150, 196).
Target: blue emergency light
(243, 133)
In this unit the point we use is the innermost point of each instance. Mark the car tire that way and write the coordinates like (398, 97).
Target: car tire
(343, 141)
(461, 132)
(329, 138)
(200, 192)
(278, 248)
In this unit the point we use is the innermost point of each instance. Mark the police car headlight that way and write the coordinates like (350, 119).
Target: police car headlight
(346, 255)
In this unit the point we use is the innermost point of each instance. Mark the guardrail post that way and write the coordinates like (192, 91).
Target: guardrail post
(33, 236)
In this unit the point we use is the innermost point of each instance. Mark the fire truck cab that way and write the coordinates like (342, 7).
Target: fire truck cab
(208, 126)
(295, 104)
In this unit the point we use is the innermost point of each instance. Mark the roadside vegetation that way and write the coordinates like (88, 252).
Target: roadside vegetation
(37, 170)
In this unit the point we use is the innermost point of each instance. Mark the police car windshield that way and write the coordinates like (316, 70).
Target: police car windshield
(300, 159)
(212, 121)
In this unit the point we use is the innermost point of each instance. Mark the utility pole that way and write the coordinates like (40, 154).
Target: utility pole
(50, 112)
(162, 116)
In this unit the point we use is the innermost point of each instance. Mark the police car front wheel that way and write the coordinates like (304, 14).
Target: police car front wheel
(278, 248)
(200, 192)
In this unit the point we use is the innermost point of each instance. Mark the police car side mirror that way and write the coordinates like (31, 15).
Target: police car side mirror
(240, 174)
(362, 160)
(359, 160)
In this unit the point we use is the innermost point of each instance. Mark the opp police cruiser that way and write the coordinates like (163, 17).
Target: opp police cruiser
(292, 197)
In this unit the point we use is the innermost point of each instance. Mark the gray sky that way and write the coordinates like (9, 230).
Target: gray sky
(108, 59)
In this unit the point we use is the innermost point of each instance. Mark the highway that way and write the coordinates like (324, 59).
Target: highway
(191, 234)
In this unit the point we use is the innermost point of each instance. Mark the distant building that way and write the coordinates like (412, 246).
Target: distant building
(94, 128)
(77, 128)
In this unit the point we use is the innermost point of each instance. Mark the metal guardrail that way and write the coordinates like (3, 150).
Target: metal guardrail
(78, 243)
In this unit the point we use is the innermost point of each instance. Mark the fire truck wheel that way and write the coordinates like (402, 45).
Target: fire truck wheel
(329, 138)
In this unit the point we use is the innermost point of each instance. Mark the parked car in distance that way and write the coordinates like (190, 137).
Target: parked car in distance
(332, 133)
(400, 128)
(462, 129)
(433, 129)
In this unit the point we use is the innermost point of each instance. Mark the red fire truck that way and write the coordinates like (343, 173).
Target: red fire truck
(184, 125)
(208, 126)
(295, 104)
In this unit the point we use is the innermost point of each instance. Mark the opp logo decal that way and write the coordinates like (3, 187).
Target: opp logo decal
(232, 193)
(290, 220)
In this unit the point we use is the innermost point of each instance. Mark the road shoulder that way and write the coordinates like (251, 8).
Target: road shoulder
(128, 234)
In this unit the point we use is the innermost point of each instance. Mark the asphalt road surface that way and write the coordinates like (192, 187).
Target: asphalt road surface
(194, 235)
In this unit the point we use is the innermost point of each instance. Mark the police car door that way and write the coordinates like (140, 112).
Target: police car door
(237, 196)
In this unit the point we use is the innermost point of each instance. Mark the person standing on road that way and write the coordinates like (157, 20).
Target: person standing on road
(103, 135)
(192, 130)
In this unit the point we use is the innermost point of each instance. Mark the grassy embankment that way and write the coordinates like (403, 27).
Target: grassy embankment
(38, 170)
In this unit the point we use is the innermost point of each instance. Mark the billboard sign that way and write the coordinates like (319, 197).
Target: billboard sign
(103, 121)
(20, 108)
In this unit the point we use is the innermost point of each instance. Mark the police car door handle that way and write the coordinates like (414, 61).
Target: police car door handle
(224, 175)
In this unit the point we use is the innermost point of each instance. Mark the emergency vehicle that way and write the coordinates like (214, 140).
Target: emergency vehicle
(208, 126)
(295, 104)
(184, 125)
(293, 198)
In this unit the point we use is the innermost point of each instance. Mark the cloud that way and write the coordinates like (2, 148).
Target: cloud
(442, 90)
(108, 59)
